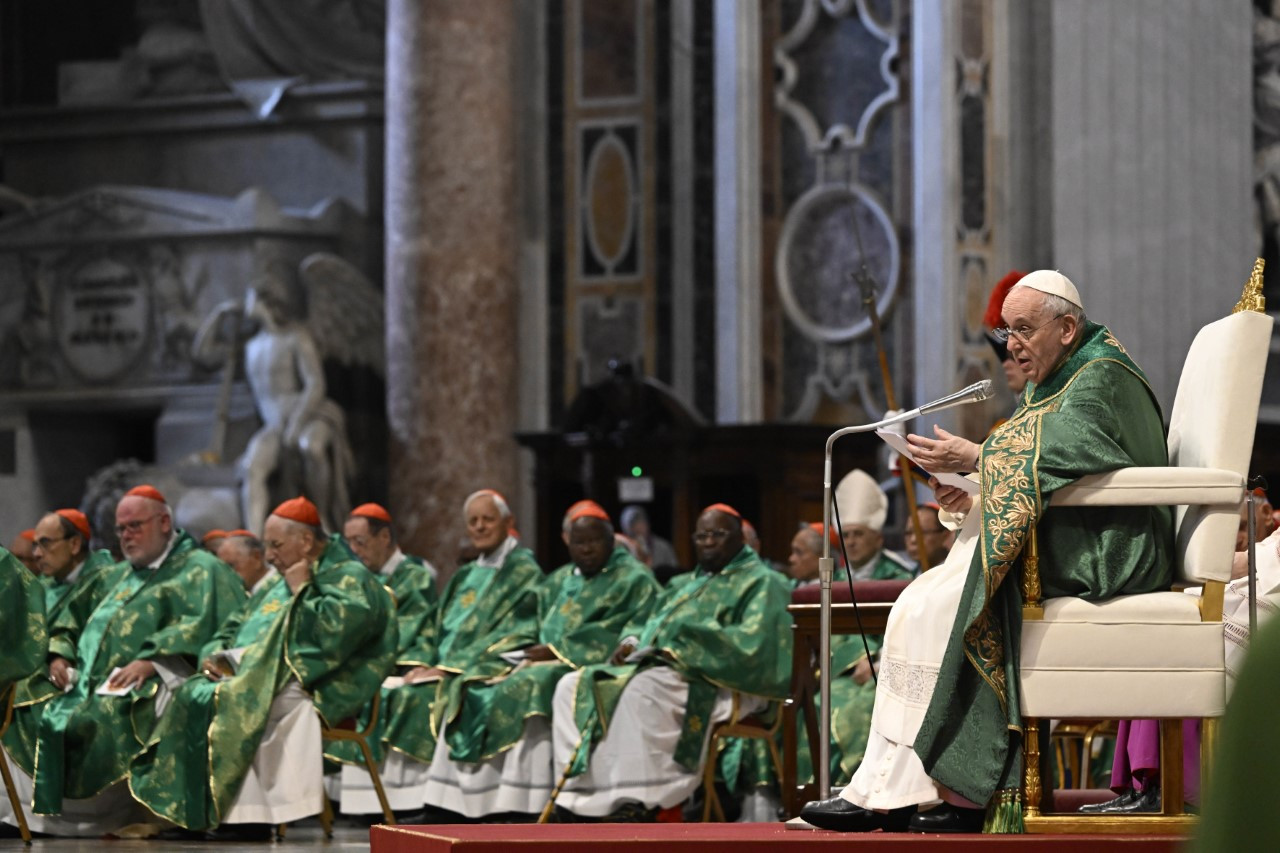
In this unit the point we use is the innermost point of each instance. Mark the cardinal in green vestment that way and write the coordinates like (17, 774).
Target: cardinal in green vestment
(142, 637)
(632, 732)
(75, 580)
(324, 625)
(23, 632)
(369, 532)
(582, 608)
(489, 607)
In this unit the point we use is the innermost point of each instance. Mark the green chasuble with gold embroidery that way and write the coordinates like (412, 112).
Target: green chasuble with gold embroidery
(579, 619)
(414, 590)
(483, 612)
(337, 636)
(86, 741)
(98, 575)
(725, 629)
(1094, 413)
(23, 632)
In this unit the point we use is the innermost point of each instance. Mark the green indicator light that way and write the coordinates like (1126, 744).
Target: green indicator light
(636, 471)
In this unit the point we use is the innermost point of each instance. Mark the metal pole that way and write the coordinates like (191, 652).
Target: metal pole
(825, 571)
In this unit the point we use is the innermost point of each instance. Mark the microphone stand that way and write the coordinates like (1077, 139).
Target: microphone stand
(826, 566)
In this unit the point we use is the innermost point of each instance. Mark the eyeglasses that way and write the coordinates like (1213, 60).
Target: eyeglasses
(135, 526)
(1022, 333)
(710, 536)
(45, 542)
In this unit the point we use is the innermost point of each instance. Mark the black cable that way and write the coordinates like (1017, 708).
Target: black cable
(848, 576)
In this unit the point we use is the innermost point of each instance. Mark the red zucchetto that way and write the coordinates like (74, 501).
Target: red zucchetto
(374, 511)
(298, 509)
(725, 508)
(78, 521)
(149, 492)
(587, 509)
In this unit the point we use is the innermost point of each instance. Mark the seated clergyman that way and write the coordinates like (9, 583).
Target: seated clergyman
(945, 724)
(241, 743)
(495, 753)
(487, 608)
(370, 533)
(117, 666)
(632, 733)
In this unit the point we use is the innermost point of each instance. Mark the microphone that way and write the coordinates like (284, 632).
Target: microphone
(826, 564)
(974, 393)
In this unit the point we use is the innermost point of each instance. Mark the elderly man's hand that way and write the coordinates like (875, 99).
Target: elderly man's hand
(953, 500)
(620, 654)
(946, 454)
(297, 575)
(541, 652)
(132, 675)
(422, 673)
(58, 672)
(215, 669)
(861, 672)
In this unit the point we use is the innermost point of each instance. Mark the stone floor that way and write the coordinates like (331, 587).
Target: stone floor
(305, 837)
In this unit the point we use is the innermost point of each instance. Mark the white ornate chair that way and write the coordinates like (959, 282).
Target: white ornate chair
(1158, 655)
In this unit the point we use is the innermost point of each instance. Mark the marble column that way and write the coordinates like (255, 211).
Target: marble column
(451, 225)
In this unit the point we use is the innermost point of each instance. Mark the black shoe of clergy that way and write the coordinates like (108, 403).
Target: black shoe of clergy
(947, 818)
(840, 815)
(1124, 799)
(1146, 802)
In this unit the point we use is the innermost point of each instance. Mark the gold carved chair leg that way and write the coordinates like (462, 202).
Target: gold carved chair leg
(1031, 767)
(7, 703)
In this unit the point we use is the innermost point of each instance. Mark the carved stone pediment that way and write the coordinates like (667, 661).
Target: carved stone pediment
(109, 285)
(109, 213)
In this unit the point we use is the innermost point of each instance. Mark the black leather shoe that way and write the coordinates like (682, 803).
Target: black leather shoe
(947, 818)
(1123, 800)
(840, 815)
(1147, 801)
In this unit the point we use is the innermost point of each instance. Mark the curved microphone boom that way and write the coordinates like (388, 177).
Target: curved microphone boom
(974, 393)
(826, 565)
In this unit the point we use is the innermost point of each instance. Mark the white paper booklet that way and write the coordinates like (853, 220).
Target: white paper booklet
(104, 690)
(899, 444)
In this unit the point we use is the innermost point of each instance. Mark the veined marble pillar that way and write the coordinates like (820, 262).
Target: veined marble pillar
(451, 224)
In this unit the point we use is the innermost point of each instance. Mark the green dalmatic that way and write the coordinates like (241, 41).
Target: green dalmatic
(483, 612)
(580, 619)
(336, 636)
(728, 629)
(85, 741)
(1094, 413)
(64, 603)
(23, 632)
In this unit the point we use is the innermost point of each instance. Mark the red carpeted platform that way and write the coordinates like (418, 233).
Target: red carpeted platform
(738, 838)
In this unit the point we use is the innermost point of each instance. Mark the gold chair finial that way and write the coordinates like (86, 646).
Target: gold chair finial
(1251, 299)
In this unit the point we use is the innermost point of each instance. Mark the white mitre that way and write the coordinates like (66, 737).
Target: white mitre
(861, 501)
(1054, 282)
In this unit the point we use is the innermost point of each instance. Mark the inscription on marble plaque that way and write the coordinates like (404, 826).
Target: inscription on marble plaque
(102, 313)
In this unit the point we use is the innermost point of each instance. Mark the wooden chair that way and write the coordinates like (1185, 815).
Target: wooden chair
(1159, 655)
(347, 731)
(7, 702)
(750, 727)
(875, 600)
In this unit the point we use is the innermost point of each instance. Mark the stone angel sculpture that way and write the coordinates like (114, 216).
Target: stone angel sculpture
(302, 444)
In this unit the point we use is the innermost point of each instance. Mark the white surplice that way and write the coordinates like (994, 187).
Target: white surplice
(891, 775)
(635, 760)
